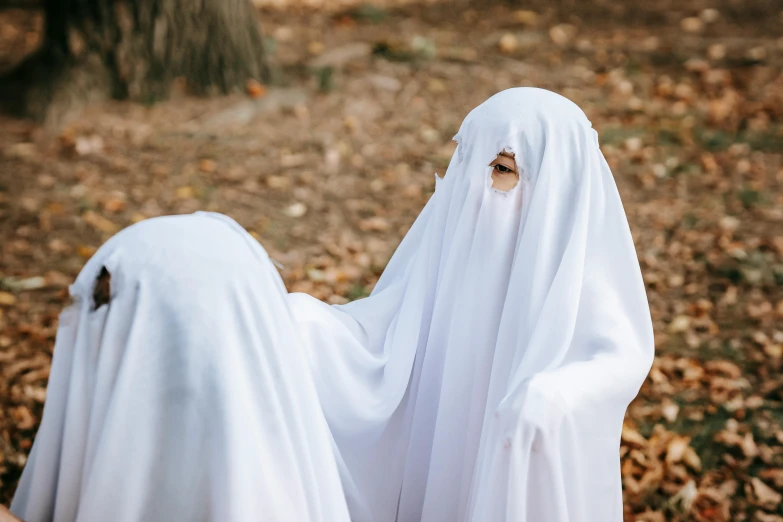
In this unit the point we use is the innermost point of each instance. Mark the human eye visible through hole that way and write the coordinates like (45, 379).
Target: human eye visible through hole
(505, 175)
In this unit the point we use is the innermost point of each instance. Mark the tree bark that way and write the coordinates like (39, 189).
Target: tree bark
(135, 49)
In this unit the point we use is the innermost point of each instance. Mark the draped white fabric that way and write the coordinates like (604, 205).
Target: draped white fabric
(184, 399)
(484, 379)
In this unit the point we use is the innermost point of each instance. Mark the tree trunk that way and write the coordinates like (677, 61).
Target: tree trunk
(134, 49)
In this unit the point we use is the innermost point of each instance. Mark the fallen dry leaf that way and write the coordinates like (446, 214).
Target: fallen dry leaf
(765, 496)
(7, 299)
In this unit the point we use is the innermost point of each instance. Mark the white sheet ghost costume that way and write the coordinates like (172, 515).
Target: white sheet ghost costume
(485, 378)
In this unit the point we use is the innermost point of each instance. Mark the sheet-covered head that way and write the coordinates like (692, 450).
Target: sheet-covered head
(554, 216)
(519, 121)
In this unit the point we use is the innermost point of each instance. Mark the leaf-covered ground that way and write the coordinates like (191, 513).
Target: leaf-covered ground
(330, 169)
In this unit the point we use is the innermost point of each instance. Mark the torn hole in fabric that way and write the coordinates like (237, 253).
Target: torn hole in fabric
(509, 144)
(457, 153)
(101, 294)
(504, 174)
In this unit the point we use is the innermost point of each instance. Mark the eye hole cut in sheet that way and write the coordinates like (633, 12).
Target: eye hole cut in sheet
(102, 291)
(505, 173)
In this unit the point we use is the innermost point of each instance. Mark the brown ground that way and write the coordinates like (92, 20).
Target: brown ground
(330, 171)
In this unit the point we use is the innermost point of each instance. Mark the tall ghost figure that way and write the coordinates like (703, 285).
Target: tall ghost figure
(485, 378)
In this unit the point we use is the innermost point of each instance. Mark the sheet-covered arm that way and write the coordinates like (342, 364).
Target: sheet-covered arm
(596, 391)
(556, 440)
(557, 434)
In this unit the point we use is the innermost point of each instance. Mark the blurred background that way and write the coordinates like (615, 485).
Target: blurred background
(318, 125)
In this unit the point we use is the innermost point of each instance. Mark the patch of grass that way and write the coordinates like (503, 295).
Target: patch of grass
(633, 66)
(417, 50)
(149, 99)
(668, 137)
(357, 292)
(325, 76)
(749, 197)
(685, 168)
(777, 273)
(368, 13)
(270, 45)
(767, 141)
(704, 352)
(690, 221)
(703, 433)
(714, 140)
(730, 272)
(724, 351)
(613, 135)
(776, 414)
